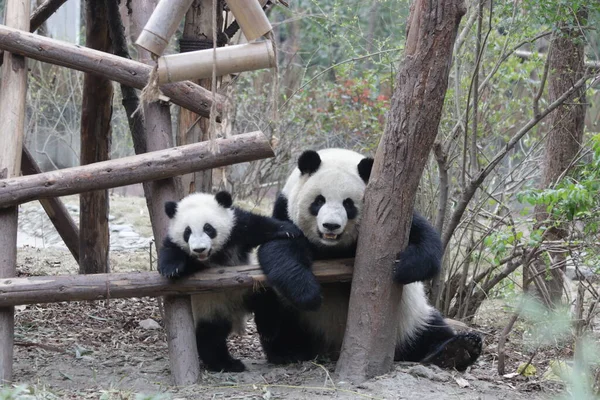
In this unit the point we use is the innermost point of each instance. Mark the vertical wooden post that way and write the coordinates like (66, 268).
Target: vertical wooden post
(12, 125)
(422, 79)
(96, 112)
(181, 335)
(197, 35)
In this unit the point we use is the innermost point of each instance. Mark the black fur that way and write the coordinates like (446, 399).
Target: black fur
(170, 208)
(224, 199)
(309, 162)
(365, 166)
(351, 210)
(211, 339)
(435, 331)
(316, 205)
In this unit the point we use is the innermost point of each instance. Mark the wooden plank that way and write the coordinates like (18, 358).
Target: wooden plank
(55, 209)
(131, 73)
(52, 289)
(150, 166)
(12, 126)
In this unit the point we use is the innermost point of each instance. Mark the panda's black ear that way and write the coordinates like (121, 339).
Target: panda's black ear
(224, 199)
(170, 208)
(364, 168)
(309, 162)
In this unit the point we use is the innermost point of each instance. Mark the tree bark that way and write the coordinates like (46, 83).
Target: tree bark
(52, 289)
(192, 128)
(131, 73)
(411, 128)
(157, 165)
(96, 115)
(55, 209)
(563, 142)
(12, 126)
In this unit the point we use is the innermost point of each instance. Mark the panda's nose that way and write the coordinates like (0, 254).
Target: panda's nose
(331, 227)
(199, 249)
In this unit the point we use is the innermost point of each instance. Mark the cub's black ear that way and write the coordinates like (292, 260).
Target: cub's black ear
(364, 168)
(224, 199)
(309, 162)
(170, 208)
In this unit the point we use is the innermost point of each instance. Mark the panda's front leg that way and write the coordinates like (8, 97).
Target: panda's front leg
(422, 258)
(173, 262)
(211, 340)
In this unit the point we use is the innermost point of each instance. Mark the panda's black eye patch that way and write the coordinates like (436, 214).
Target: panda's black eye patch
(351, 209)
(210, 231)
(187, 233)
(316, 205)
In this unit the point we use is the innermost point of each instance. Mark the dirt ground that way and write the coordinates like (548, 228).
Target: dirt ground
(94, 350)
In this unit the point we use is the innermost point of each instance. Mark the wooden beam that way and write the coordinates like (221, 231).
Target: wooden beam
(43, 12)
(150, 166)
(55, 209)
(96, 134)
(12, 129)
(52, 289)
(131, 73)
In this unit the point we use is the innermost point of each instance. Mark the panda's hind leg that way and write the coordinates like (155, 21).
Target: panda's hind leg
(211, 339)
(436, 343)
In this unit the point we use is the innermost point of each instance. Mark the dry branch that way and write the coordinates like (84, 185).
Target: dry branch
(134, 169)
(131, 73)
(52, 289)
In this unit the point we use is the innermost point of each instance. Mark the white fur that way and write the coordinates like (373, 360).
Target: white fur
(337, 179)
(194, 211)
(229, 305)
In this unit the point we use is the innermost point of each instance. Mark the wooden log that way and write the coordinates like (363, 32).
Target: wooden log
(55, 209)
(185, 368)
(96, 116)
(134, 169)
(53, 289)
(162, 24)
(251, 18)
(118, 69)
(229, 60)
(12, 127)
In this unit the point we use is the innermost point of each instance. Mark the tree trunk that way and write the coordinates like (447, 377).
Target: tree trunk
(563, 142)
(96, 114)
(411, 128)
(197, 35)
(12, 126)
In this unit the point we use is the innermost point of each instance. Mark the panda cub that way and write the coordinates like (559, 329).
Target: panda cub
(206, 231)
(324, 198)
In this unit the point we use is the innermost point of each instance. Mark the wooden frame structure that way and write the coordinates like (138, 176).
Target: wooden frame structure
(156, 163)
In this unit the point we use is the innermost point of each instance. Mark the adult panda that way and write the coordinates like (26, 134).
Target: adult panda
(206, 231)
(324, 197)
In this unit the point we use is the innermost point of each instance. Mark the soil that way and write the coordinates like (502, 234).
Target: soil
(82, 350)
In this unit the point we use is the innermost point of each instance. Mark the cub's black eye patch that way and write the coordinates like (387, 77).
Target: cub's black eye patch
(351, 209)
(316, 205)
(210, 231)
(187, 233)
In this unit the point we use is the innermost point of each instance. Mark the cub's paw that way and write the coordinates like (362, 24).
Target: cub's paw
(172, 269)
(231, 365)
(404, 270)
(458, 352)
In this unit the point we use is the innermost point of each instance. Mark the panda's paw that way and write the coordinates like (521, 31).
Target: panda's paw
(458, 352)
(287, 230)
(415, 265)
(172, 270)
(230, 365)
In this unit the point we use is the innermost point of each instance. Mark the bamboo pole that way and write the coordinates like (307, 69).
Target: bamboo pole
(12, 126)
(149, 166)
(229, 60)
(162, 24)
(55, 209)
(251, 18)
(52, 289)
(131, 73)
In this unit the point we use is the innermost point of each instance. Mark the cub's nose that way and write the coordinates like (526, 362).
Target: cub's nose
(199, 250)
(331, 227)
